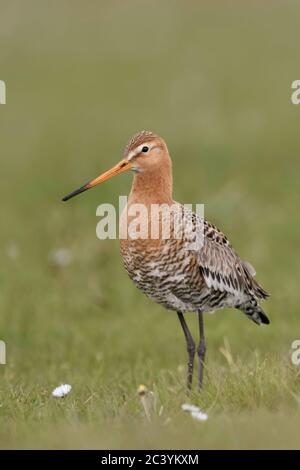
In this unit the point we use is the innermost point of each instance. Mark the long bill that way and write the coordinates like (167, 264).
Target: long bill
(121, 167)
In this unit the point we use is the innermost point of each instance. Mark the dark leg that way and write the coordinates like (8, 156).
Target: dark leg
(201, 350)
(191, 348)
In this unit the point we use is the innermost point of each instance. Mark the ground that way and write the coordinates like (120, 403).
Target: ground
(215, 82)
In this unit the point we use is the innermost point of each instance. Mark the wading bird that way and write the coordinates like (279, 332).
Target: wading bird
(165, 268)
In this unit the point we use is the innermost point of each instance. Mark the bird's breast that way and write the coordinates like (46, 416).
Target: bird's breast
(162, 267)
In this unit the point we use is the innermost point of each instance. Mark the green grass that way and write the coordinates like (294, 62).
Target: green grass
(214, 79)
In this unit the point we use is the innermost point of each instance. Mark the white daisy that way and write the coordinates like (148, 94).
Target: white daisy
(195, 412)
(199, 415)
(61, 391)
(190, 408)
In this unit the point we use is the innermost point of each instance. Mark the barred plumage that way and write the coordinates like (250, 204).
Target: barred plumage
(172, 270)
(212, 278)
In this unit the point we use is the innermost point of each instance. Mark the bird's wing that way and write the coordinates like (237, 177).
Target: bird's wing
(221, 267)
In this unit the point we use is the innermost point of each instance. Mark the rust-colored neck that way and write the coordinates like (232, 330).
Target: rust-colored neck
(153, 186)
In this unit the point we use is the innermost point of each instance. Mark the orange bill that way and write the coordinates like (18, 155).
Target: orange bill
(121, 167)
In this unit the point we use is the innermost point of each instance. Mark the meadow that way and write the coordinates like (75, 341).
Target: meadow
(214, 79)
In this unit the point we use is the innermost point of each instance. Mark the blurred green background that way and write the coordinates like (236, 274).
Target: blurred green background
(214, 79)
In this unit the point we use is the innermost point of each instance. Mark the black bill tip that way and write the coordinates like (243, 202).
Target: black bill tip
(74, 193)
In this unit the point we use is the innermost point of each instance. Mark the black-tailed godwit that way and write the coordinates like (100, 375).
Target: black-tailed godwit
(166, 268)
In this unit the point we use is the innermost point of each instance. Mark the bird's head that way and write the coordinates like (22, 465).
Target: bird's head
(145, 152)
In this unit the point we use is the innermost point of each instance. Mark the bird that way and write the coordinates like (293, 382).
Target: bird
(172, 270)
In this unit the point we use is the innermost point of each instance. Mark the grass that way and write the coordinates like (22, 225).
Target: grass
(213, 79)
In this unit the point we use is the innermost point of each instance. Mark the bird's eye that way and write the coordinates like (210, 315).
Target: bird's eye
(145, 149)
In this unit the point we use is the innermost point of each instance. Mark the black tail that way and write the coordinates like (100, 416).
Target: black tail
(254, 312)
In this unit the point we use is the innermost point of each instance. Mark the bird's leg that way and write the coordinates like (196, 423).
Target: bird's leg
(191, 348)
(201, 350)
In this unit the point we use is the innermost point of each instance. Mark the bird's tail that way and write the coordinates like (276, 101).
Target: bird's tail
(254, 311)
